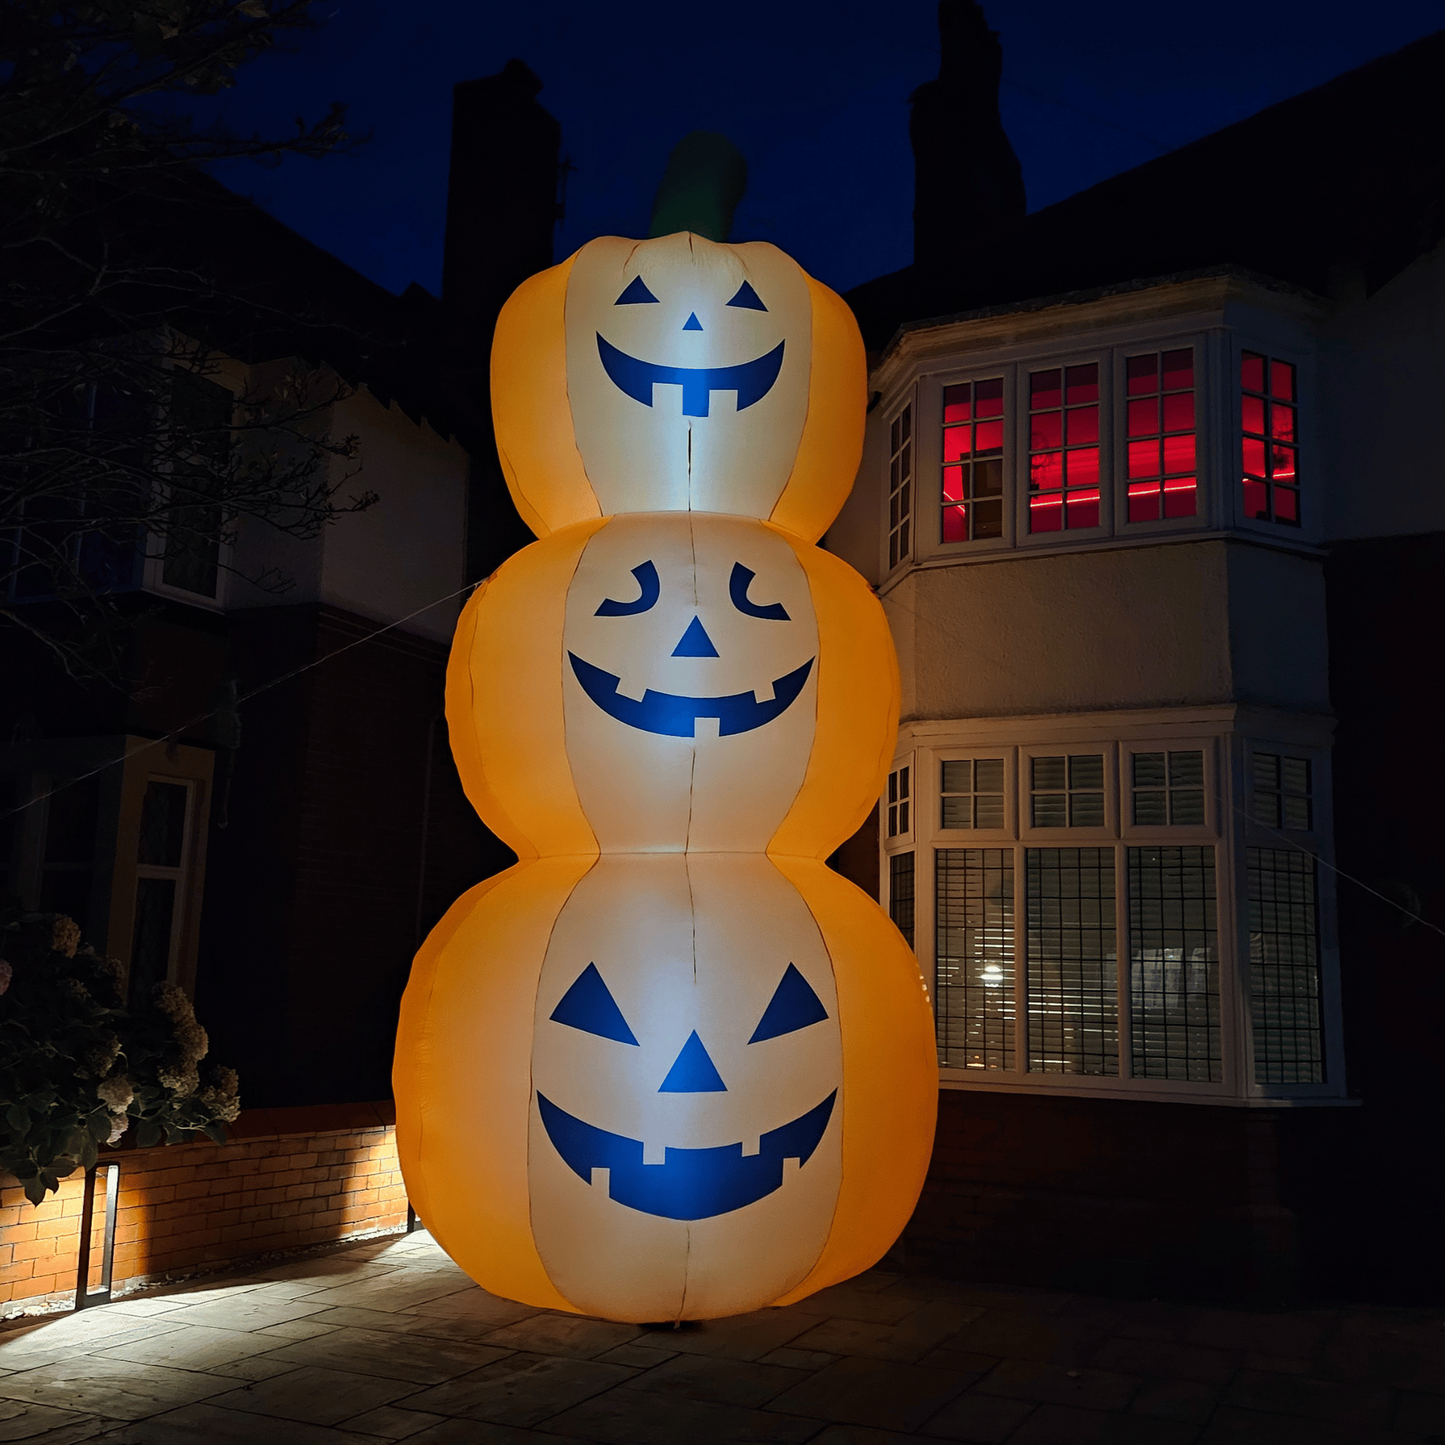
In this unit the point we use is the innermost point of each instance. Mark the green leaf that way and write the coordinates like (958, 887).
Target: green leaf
(99, 1125)
(88, 1149)
(18, 1118)
(147, 1134)
(215, 1131)
(35, 1189)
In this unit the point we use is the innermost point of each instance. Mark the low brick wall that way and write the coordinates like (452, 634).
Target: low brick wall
(289, 1178)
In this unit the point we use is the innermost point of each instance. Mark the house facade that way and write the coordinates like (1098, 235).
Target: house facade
(1127, 503)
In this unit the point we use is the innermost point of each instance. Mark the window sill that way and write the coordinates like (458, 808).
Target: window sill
(1148, 1091)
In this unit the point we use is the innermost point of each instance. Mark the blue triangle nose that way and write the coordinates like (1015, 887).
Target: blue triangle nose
(695, 642)
(692, 323)
(693, 1072)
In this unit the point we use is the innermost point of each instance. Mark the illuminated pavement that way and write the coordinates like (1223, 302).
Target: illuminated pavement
(390, 1341)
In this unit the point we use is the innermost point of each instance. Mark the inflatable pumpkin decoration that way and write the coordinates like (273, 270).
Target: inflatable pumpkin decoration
(670, 1066)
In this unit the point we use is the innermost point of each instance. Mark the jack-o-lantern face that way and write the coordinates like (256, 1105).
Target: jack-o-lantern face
(690, 681)
(686, 1068)
(687, 372)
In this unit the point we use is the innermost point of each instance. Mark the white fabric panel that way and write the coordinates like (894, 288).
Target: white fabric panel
(684, 943)
(645, 791)
(642, 457)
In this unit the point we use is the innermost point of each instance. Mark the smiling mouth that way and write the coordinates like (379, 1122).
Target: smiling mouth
(689, 1183)
(676, 716)
(752, 380)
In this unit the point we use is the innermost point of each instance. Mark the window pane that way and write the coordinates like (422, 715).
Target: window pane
(1251, 371)
(1086, 770)
(1144, 417)
(900, 894)
(1144, 459)
(1179, 454)
(1178, 368)
(155, 906)
(1284, 967)
(1253, 457)
(988, 436)
(1281, 380)
(1185, 768)
(1083, 425)
(957, 406)
(1179, 497)
(988, 397)
(1083, 469)
(1143, 374)
(974, 957)
(1179, 412)
(1049, 772)
(1252, 414)
(1173, 964)
(162, 824)
(988, 519)
(988, 810)
(1046, 430)
(1186, 807)
(1149, 770)
(958, 776)
(957, 442)
(955, 524)
(1050, 810)
(1086, 810)
(1151, 809)
(988, 478)
(1081, 383)
(1073, 1021)
(957, 812)
(1045, 389)
(988, 775)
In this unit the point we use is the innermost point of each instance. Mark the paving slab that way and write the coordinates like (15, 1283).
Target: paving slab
(1064, 1425)
(1056, 1384)
(20, 1421)
(880, 1393)
(718, 1380)
(392, 1423)
(629, 1417)
(986, 1419)
(571, 1336)
(739, 1337)
(189, 1347)
(313, 1394)
(115, 1389)
(208, 1425)
(521, 1389)
(422, 1361)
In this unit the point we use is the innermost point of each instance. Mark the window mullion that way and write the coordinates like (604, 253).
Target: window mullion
(1122, 966)
(1021, 963)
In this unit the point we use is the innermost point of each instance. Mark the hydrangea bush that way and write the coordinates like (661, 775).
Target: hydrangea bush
(78, 1068)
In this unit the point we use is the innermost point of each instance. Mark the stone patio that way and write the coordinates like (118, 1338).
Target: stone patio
(390, 1341)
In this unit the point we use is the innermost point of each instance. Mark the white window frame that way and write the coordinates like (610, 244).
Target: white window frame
(900, 403)
(929, 411)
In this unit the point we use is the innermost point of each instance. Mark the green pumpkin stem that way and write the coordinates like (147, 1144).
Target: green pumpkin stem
(705, 178)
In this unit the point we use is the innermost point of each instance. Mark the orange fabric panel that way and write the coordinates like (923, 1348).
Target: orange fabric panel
(890, 1073)
(463, 1075)
(504, 700)
(531, 416)
(832, 442)
(858, 695)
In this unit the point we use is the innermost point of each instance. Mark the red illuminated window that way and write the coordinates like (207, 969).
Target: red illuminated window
(1064, 448)
(1270, 445)
(1160, 430)
(973, 460)
(900, 486)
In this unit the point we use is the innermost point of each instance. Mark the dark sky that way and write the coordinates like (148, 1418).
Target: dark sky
(814, 93)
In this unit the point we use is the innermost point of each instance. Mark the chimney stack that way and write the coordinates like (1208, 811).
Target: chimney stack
(501, 192)
(968, 184)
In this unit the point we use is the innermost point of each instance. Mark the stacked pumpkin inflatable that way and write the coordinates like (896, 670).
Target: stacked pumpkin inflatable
(670, 1066)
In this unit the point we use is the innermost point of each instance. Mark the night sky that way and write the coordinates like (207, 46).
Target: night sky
(815, 94)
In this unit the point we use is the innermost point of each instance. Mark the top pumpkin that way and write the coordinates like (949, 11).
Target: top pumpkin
(678, 374)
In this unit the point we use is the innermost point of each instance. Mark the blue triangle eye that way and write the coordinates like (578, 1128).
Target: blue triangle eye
(693, 1072)
(588, 1005)
(636, 294)
(794, 1006)
(748, 297)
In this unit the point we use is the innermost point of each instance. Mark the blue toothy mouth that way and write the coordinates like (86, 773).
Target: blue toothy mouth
(752, 380)
(676, 716)
(689, 1183)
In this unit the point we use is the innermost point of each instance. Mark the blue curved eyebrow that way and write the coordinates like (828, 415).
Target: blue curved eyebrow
(647, 580)
(738, 585)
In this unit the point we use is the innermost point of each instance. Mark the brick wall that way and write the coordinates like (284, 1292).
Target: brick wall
(289, 1178)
